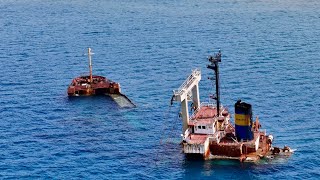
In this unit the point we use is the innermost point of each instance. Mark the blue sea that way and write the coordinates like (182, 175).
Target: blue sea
(271, 59)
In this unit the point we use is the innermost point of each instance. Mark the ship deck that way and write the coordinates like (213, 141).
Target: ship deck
(205, 112)
(81, 82)
(82, 86)
(197, 138)
(204, 115)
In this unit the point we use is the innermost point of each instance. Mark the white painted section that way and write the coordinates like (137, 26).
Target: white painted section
(209, 104)
(185, 114)
(181, 95)
(186, 135)
(195, 96)
(192, 80)
(227, 120)
(194, 148)
(257, 143)
(203, 128)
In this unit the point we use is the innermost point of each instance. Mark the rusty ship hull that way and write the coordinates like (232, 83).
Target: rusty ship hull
(82, 86)
(208, 132)
(222, 144)
(94, 85)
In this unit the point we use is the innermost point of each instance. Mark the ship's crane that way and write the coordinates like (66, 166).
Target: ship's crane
(189, 86)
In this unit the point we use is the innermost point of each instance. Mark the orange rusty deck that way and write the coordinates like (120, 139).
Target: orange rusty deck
(197, 138)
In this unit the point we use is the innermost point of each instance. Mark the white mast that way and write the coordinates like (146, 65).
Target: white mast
(90, 63)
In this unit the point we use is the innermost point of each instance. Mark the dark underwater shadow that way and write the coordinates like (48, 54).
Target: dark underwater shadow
(100, 101)
(222, 169)
(216, 169)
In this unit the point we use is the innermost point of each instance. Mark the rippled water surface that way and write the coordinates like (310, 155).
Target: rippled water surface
(270, 59)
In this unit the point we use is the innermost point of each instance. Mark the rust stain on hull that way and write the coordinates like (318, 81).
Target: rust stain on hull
(82, 86)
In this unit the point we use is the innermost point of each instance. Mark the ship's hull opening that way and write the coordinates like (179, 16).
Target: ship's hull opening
(194, 156)
(100, 91)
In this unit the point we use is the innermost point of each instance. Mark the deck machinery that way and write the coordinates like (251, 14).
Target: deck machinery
(208, 132)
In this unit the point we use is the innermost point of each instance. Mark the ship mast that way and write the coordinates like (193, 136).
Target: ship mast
(90, 63)
(215, 66)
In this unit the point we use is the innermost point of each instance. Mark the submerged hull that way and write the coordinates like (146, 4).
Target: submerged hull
(92, 85)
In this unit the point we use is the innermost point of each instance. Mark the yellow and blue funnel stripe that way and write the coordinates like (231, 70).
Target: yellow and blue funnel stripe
(242, 119)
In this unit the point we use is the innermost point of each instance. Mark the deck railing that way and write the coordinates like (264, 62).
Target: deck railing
(208, 104)
(185, 85)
